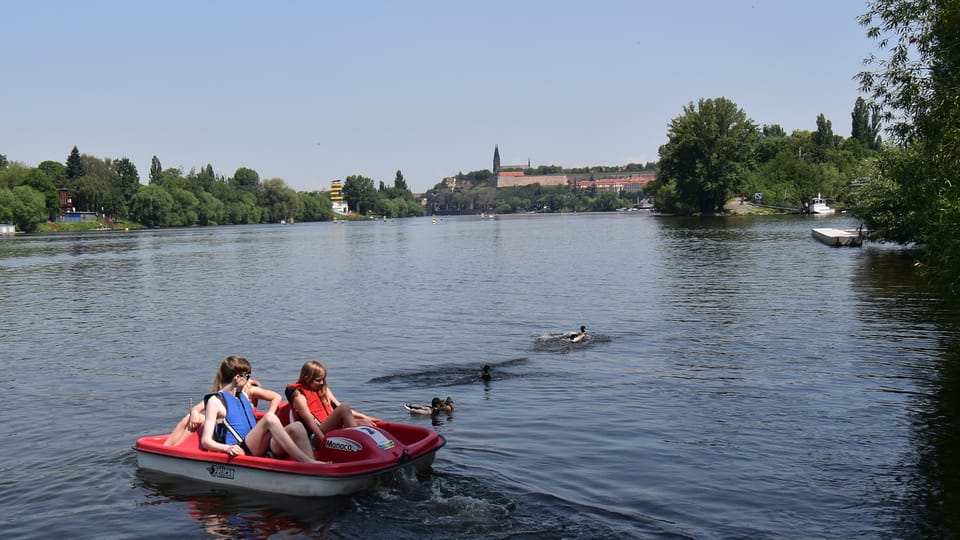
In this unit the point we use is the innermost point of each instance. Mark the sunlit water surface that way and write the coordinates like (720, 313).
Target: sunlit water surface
(740, 381)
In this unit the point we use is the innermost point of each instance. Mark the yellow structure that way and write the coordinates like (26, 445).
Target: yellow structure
(336, 197)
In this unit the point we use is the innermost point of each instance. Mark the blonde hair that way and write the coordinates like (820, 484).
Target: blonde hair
(311, 370)
(229, 368)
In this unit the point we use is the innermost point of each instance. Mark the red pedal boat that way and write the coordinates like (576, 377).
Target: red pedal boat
(357, 458)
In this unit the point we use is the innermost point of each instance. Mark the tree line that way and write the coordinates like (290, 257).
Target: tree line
(715, 152)
(171, 198)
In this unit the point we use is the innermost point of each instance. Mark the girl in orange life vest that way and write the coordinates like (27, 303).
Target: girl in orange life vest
(248, 436)
(194, 419)
(312, 403)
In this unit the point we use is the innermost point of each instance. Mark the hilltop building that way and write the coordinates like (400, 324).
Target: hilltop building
(506, 176)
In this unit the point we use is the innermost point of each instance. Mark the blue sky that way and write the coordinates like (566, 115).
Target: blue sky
(315, 91)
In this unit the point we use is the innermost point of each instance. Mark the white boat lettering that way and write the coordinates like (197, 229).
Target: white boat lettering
(342, 443)
(221, 471)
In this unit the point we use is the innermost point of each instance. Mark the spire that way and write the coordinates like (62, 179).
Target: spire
(496, 158)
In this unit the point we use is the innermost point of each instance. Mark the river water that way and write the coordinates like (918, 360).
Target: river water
(740, 379)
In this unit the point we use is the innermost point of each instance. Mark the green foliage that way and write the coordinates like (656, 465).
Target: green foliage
(55, 171)
(314, 206)
(74, 165)
(247, 180)
(916, 194)
(40, 182)
(155, 170)
(359, 194)
(26, 207)
(278, 201)
(399, 182)
(152, 206)
(709, 149)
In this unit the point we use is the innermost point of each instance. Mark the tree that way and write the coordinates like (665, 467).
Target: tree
(40, 182)
(278, 201)
(127, 182)
(359, 193)
(247, 180)
(155, 170)
(399, 182)
(709, 147)
(865, 124)
(152, 206)
(3, 161)
(916, 193)
(55, 171)
(74, 165)
(29, 210)
(823, 140)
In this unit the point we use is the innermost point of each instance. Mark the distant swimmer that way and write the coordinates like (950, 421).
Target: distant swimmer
(577, 337)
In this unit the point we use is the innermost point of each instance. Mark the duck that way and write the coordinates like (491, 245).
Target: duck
(429, 410)
(446, 405)
(485, 373)
(577, 337)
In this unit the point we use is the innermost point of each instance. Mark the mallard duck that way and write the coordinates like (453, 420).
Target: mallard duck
(577, 337)
(446, 405)
(430, 410)
(485, 373)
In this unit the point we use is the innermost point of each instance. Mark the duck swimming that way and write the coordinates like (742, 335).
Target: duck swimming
(485, 373)
(577, 337)
(446, 405)
(430, 410)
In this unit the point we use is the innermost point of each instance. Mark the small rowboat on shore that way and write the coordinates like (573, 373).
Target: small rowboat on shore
(357, 457)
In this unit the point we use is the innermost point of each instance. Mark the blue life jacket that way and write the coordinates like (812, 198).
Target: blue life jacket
(238, 420)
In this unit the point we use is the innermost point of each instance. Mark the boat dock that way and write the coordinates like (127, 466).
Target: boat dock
(838, 238)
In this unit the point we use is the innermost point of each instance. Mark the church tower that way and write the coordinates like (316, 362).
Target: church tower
(496, 159)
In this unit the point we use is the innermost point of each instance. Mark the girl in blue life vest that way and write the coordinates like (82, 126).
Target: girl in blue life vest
(245, 435)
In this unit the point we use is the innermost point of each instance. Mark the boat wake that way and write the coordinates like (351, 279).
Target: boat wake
(561, 343)
(452, 374)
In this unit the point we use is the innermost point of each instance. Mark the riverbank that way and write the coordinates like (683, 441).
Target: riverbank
(737, 208)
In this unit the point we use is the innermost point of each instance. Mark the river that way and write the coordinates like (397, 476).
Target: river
(740, 379)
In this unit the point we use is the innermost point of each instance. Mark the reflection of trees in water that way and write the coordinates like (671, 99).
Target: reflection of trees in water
(925, 488)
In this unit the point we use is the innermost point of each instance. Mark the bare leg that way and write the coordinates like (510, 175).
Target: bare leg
(269, 430)
(341, 417)
(180, 433)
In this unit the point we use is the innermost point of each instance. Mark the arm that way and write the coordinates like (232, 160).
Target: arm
(195, 416)
(259, 392)
(299, 404)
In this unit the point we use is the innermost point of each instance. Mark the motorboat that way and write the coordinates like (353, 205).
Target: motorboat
(819, 206)
(355, 459)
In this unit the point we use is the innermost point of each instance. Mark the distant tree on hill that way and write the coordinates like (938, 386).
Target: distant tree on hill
(156, 171)
(399, 182)
(74, 165)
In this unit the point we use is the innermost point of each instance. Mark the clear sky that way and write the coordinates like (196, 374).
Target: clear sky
(312, 91)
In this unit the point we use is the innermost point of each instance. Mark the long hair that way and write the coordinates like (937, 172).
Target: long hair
(311, 370)
(229, 368)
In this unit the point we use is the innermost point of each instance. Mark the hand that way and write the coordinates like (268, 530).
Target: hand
(234, 450)
(196, 420)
